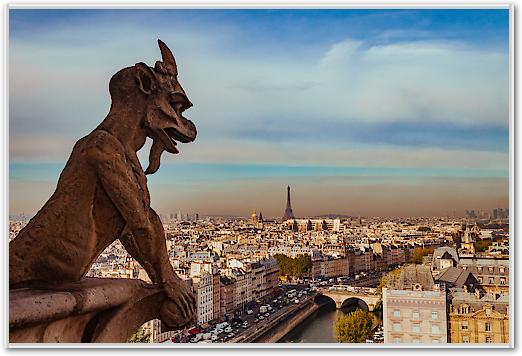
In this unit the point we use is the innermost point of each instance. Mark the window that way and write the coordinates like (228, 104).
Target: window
(434, 315)
(502, 269)
(488, 326)
(465, 339)
(415, 328)
(435, 329)
(490, 269)
(464, 325)
(397, 340)
(491, 281)
(396, 326)
(480, 280)
(416, 315)
(396, 313)
(435, 341)
(416, 341)
(502, 281)
(489, 340)
(480, 269)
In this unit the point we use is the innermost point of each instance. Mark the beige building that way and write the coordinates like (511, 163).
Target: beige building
(331, 267)
(216, 296)
(478, 318)
(414, 316)
(203, 288)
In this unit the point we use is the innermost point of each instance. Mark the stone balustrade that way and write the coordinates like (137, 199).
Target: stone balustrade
(93, 310)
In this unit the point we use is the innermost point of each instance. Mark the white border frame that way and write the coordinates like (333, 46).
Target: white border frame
(266, 4)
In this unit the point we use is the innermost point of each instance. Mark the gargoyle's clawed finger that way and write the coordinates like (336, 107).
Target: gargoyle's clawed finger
(185, 299)
(179, 300)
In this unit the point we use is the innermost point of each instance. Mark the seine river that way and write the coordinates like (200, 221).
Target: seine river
(318, 328)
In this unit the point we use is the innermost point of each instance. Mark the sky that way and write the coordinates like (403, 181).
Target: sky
(362, 112)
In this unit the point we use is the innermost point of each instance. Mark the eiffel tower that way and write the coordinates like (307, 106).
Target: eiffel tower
(289, 214)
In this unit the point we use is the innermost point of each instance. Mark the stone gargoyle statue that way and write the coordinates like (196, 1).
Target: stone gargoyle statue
(102, 193)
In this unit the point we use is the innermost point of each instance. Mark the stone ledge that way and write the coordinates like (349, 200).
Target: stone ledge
(92, 310)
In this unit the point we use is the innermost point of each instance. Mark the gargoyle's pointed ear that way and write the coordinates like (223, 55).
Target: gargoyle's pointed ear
(145, 78)
(168, 59)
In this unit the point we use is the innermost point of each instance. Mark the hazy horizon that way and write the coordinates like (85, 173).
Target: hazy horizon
(361, 112)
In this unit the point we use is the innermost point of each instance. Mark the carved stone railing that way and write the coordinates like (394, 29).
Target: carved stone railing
(92, 310)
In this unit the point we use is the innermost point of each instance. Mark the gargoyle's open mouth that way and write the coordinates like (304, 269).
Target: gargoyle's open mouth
(184, 131)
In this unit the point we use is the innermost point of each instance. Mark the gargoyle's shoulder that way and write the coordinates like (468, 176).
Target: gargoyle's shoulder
(100, 143)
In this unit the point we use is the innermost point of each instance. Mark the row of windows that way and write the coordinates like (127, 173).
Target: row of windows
(416, 314)
(465, 339)
(465, 325)
(398, 340)
(435, 329)
(490, 269)
(492, 280)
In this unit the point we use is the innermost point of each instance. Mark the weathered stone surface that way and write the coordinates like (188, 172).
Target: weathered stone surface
(92, 310)
(102, 195)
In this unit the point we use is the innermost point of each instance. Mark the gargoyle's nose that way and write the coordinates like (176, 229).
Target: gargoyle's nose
(180, 99)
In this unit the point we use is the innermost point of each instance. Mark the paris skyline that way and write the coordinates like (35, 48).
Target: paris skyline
(361, 112)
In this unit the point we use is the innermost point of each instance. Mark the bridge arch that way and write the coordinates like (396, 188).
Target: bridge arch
(366, 301)
(355, 300)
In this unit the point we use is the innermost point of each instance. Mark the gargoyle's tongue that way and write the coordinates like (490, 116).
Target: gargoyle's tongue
(155, 155)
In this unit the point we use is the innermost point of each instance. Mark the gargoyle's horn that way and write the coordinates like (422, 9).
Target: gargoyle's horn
(168, 59)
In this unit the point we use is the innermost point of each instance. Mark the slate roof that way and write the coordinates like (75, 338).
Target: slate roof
(456, 277)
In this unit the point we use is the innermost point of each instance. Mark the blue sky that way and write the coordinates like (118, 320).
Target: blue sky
(340, 102)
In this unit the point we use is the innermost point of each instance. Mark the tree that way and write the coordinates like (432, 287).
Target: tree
(297, 267)
(389, 280)
(141, 335)
(482, 245)
(419, 253)
(354, 327)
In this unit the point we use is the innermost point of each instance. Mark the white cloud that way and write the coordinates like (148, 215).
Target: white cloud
(58, 88)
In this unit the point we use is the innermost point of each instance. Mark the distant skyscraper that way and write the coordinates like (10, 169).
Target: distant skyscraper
(289, 214)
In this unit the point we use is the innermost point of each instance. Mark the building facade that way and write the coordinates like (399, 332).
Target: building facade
(414, 316)
(478, 318)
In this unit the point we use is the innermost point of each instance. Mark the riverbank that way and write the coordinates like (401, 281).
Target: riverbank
(276, 329)
(288, 324)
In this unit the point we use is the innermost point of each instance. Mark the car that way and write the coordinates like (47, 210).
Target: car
(250, 311)
(296, 301)
(261, 317)
(267, 315)
(228, 329)
(256, 320)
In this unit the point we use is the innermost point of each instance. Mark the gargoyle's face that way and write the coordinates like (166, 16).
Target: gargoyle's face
(166, 102)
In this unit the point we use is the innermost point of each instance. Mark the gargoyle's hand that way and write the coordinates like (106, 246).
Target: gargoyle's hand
(179, 310)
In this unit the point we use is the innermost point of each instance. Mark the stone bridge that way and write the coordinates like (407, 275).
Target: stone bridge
(342, 294)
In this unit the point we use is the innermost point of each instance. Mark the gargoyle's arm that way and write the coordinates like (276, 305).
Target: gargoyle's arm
(143, 235)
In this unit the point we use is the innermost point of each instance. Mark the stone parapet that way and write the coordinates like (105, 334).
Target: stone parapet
(91, 310)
